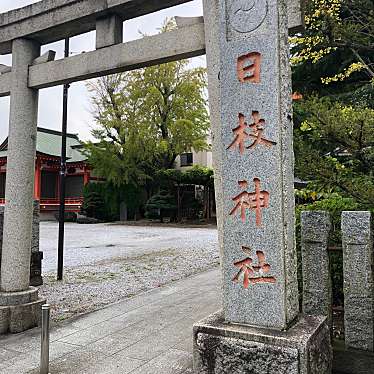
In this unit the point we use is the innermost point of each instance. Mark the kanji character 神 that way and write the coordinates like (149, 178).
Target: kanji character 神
(251, 200)
(257, 128)
(252, 273)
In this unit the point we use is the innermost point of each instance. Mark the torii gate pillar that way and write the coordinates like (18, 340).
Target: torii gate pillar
(19, 303)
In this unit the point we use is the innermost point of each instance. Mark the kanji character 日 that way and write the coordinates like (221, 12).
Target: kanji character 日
(249, 68)
(252, 273)
(256, 201)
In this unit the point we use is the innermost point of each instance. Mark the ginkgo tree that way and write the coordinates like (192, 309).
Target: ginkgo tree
(145, 118)
(335, 51)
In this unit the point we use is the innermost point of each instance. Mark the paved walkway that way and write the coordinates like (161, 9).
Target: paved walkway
(147, 334)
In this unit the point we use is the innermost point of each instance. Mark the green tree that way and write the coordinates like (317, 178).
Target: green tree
(161, 205)
(334, 54)
(146, 118)
(171, 179)
(334, 148)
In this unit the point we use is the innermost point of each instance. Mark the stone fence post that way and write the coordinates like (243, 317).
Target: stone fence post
(358, 280)
(36, 256)
(317, 285)
(35, 227)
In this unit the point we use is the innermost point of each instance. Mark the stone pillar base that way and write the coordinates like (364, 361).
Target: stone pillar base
(20, 311)
(222, 348)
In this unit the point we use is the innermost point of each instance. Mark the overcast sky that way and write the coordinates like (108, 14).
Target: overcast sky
(50, 99)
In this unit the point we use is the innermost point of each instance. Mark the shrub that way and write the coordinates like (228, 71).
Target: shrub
(161, 205)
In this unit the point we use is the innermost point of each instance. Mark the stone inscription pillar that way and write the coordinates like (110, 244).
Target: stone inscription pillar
(317, 285)
(19, 303)
(15, 264)
(259, 330)
(254, 150)
(358, 280)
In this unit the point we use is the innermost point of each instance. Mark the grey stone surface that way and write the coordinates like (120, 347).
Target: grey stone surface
(188, 21)
(296, 15)
(352, 361)
(1, 231)
(45, 57)
(25, 316)
(358, 264)
(51, 20)
(5, 84)
(19, 311)
(17, 352)
(18, 298)
(263, 235)
(125, 338)
(15, 263)
(36, 256)
(35, 227)
(109, 31)
(177, 44)
(233, 355)
(5, 69)
(123, 212)
(317, 288)
(222, 348)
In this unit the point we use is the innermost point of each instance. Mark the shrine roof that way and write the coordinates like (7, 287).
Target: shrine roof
(50, 20)
(48, 142)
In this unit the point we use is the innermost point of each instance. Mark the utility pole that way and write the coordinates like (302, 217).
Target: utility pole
(61, 216)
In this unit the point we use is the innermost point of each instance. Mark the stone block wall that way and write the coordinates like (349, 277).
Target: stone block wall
(358, 275)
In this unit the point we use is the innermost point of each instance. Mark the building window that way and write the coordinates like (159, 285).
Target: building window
(186, 159)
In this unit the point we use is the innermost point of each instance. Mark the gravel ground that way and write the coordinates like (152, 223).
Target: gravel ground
(91, 286)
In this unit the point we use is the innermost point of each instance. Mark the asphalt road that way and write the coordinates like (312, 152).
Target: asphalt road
(87, 244)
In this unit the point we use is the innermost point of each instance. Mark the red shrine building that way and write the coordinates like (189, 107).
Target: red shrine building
(47, 171)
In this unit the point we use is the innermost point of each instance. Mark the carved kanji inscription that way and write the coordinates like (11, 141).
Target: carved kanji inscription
(255, 133)
(249, 68)
(251, 272)
(256, 201)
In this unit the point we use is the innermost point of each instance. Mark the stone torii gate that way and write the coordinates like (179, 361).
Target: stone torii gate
(250, 99)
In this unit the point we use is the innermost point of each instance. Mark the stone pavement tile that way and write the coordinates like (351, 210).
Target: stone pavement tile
(91, 334)
(179, 297)
(116, 364)
(62, 330)
(59, 349)
(7, 354)
(20, 364)
(75, 362)
(25, 362)
(135, 315)
(185, 345)
(25, 342)
(172, 362)
(122, 339)
(149, 347)
(92, 319)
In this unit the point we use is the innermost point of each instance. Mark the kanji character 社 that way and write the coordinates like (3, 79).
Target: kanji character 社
(252, 273)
